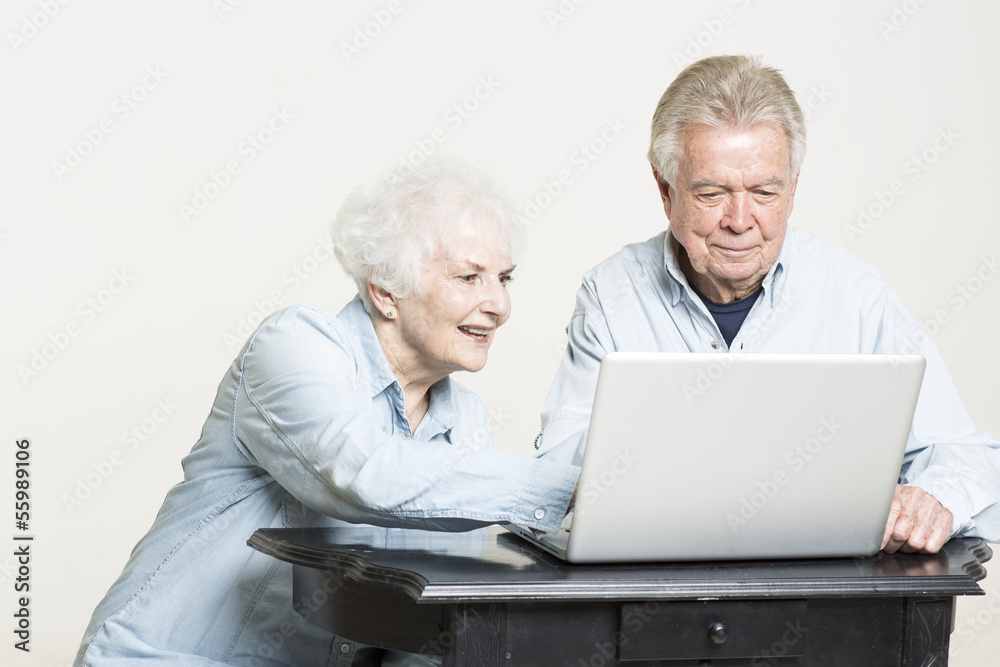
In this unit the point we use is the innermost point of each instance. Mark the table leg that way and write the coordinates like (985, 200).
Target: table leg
(477, 636)
(927, 631)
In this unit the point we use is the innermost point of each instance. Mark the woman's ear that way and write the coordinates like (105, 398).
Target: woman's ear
(383, 301)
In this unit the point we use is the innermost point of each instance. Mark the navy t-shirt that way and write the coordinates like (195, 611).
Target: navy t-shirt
(730, 316)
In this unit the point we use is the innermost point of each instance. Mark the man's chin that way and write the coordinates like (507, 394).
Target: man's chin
(738, 277)
(735, 282)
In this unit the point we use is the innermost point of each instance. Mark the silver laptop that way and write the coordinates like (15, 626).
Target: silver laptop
(739, 456)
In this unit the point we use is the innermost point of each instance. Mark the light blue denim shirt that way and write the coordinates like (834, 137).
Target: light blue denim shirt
(816, 298)
(308, 424)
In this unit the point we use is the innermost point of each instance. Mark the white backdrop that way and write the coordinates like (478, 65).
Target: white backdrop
(170, 170)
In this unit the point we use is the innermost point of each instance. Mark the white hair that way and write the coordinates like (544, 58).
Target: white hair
(719, 92)
(386, 234)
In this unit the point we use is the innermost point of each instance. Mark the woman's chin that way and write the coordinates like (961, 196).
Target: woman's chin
(473, 364)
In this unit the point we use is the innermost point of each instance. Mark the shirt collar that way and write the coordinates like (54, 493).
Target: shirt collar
(375, 368)
(680, 289)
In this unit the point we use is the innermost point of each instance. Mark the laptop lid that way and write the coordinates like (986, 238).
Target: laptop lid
(741, 456)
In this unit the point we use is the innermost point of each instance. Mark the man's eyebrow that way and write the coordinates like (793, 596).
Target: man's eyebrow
(705, 183)
(708, 183)
(776, 181)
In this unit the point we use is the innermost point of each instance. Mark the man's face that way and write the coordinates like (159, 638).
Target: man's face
(729, 207)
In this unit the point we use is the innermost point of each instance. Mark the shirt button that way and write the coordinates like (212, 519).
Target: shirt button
(345, 648)
(539, 514)
(716, 345)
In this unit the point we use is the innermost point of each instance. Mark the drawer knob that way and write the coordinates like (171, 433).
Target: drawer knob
(718, 633)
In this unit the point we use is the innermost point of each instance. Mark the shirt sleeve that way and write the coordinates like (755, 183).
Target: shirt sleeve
(945, 455)
(303, 416)
(566, 413)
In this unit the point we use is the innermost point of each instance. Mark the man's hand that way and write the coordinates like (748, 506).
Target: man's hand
(918, 523)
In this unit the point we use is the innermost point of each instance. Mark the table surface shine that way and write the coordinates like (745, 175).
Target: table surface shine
(493, 565)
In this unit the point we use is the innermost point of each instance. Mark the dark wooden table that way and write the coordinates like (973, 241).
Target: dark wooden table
(487, 599)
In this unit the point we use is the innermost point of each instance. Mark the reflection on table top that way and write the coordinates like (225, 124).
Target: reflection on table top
(490, 564)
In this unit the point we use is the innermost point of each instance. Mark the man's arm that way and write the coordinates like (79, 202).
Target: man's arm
(566, 413)
(950, 471)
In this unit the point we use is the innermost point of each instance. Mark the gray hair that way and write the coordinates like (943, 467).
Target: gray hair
(386, 234)
(724, 91)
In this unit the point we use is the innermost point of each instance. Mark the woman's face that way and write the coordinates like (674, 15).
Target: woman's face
(448, 325)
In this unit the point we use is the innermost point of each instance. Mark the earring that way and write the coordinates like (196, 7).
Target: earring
(388, 313)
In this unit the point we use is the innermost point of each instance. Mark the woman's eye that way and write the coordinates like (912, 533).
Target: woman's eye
(505, 279)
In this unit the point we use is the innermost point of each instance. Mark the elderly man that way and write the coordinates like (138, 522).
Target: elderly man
(729, 276)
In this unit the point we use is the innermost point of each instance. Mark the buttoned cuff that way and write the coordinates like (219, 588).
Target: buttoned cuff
(545, 495)
(952, 499)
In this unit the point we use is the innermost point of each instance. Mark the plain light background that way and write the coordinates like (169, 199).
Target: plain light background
(123, 309)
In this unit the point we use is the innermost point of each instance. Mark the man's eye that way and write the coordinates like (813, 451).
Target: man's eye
(505, 279)
(469, 278)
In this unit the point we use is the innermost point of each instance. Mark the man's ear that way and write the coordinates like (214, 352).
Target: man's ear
(383, 301)
(664, 188)
(791, 194)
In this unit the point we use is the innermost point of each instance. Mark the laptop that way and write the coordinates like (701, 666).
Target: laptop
(739, 456)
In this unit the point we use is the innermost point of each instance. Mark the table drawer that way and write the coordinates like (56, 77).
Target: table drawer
(712, 629)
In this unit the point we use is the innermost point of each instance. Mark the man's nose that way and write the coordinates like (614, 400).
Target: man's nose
(739, 213)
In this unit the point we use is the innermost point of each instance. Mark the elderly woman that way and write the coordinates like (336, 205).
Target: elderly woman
(324, 419)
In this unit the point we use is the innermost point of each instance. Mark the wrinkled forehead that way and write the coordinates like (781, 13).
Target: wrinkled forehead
(467, 236)
(462, 218)
(741, 156)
